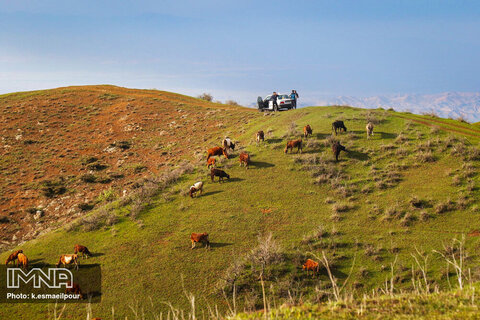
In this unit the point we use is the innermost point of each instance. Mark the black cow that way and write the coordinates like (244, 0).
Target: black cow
(337, 125)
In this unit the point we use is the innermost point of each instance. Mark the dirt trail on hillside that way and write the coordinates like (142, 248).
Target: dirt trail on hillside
(437, 123)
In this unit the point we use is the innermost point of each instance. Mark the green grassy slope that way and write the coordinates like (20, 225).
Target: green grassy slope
(146, 261)
(444, 305)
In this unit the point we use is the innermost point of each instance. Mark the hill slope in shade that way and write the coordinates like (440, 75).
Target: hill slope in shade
(63, 147)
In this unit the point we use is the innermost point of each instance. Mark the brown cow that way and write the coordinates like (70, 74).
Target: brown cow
(66, 259)
(294, 144)
(260, 136)
(200, 237)
(211, 163)
(22, 260)
(244, 159)
(75, 289)
(216, 151)
(307, 130)
(218, 173)
(13, 257)
(336, 148)
(311, 265)
(82, 249)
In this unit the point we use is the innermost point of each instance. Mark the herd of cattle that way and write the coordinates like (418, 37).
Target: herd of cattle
(20, 259)
(244, 158)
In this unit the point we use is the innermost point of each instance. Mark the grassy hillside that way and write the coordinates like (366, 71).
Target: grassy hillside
(61, 148)
(413, 185)
(444, 305)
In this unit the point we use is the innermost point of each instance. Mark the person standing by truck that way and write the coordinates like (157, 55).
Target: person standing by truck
(294, 96)
(274, 101)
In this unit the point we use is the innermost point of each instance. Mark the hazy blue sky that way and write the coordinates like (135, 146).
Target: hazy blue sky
(240, 49)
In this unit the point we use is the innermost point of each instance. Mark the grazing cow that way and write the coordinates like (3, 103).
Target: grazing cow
(66, 259)
(338, 125)
(311, 265)
(369, 129)
(13, 257)
(260, 136)
(83, 250)
(211, 163)
(294, 144)
(200, 237)
(244, 159)
(22, 260)
(307, 130)
(198, 186)
(218, 173)
(336, 148)
(216, 151)
(228, 144)
(75, 289)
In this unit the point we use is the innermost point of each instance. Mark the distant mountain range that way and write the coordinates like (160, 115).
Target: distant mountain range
(446, 105)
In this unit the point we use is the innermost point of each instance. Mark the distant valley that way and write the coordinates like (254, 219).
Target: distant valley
(453, 105)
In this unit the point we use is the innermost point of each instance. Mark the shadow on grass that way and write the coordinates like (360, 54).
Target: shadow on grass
(357, 155)
(219, 244)
(261, 164)
(87, 266)
(321, 136)
(384, 135)
(234, 180)
(97, 254)
(273, 140)
(211, 193)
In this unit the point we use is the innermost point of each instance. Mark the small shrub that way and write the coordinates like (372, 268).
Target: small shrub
(335, 217)
(329, 200)
(424, 216)
(312, 144)
(111, 219)
(432, 114)
(402, 151)
(425, 157)
(435, 130)
(88, 178)
(369, 250)
(96, 166)
(92, 222)
(107, 195)
(267, 252)
(457, 180)
(206, 97)
(231, 103)
(444, 206)
(392, 212)
(416, 203)
(401, 138)
(462, 119)
(85, 206)
(341, 207)
(124, 145)
(407, 219)
(51, 189)
(386, 147)
(292, 131)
